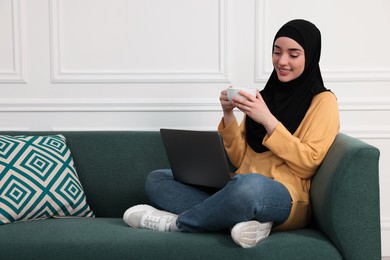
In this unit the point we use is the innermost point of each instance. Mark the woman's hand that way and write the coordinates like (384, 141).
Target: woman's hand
(256, 108)
(227, 107)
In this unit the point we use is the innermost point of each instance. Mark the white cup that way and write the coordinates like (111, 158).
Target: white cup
(233, 92)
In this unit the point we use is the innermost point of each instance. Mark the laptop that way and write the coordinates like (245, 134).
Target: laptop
(197, 157)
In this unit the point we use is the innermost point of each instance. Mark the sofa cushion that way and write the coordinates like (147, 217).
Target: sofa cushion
(38, 179)
(111, 238)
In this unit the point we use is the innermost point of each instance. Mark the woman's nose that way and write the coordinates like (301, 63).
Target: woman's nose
(283, 59)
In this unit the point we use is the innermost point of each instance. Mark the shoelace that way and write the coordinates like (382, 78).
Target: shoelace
(157, 223)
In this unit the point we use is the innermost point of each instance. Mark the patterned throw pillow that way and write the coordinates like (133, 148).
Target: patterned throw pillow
(38, 180)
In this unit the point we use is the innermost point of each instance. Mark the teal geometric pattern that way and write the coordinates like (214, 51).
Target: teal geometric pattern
(38, 180)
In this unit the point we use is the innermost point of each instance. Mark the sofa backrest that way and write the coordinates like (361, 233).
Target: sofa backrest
(112, 166)
(345, 198)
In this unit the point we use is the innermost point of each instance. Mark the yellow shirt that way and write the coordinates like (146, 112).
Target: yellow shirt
(292, 159)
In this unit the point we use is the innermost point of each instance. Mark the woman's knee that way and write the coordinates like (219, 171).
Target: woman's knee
(247, 186)
(260, 188)
(269, 199)
(250, 182)
(158, 175)
(155, 178)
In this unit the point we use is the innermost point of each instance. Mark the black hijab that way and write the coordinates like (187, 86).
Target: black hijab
(289, 101)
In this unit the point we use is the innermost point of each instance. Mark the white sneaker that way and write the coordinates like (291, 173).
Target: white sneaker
(145, 216)
(250, 233)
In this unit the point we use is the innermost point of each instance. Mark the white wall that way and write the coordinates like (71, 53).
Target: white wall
(146, 64)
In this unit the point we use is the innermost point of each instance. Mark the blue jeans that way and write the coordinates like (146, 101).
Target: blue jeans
(245, 197)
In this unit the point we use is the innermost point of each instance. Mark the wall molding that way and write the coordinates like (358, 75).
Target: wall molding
(364, 104)
(13, 129)
(180, 105)
(163, 105)
(16, 74)
(147, 129)
(61, 75)
(368, 133)
(385, 224)
(262, 72)
(128, 105)
(385, 228)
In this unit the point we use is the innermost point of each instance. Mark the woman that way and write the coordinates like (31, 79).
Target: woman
(285, 134)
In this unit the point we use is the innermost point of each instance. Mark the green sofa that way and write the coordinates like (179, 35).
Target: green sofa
(112, 167)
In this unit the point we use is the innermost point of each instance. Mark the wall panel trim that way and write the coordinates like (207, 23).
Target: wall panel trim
(60, 75)
(128, 105)
(16, 74)
(187, 105)
(47, 105)
(385, 224)
(136, 105)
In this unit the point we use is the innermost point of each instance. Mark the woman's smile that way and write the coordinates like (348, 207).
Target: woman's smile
(283, 71)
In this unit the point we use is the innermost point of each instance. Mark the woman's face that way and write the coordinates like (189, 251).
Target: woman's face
(288, 58)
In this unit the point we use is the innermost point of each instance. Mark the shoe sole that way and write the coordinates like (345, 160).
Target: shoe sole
(250, 227)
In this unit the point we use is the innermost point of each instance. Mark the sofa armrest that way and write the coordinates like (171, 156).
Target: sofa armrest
(345, 198)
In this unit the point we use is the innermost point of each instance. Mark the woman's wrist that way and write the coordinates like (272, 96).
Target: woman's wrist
(271, 125)
(228, 116)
